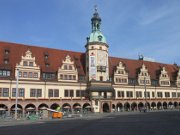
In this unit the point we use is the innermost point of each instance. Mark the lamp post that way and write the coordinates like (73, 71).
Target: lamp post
(17, 82)
(145, 94)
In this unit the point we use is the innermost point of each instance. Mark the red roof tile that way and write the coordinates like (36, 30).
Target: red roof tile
(55, 58)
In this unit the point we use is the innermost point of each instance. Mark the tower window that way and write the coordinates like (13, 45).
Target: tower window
(100, 38)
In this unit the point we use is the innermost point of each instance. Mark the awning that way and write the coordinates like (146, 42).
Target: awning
(67, 107)
(101, 88)
(43, 108)
(3, 109)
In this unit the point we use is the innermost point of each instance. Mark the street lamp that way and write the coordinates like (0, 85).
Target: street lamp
(17, 79)
(145, 93)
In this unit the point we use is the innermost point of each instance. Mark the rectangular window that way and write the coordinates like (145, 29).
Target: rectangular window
(30, 75)
(71, 93)
(138, 94)
(78, 93)
(50, 92)
(132, 81)
(61, 76)
(120, 93)
(25, 74)
(65, 67)
(83, 93)
(56, 93)
(153, 94)
(31, 64)
(70, 67)
(167, 94)
(147, 94)
(4, 73)
(39, 93)
(174, 94)
(65, 77)
(49, 75)
(129, 93)
(25, 63)
(13, 92)
(74, 77)
(66, 93)
(178, 94)
(20, 74)
(8, 73)
(35, 75)
(164, 82)
(5, 92)
(32, 92)
(159, 94)
(21, 92)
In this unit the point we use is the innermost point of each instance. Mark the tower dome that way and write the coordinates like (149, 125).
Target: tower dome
(96, 34)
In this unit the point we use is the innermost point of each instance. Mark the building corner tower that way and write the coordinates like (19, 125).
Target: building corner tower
(99, 88)
(97, 67)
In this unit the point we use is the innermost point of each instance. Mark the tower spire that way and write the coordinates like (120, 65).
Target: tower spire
(95, 8)
(95, 20)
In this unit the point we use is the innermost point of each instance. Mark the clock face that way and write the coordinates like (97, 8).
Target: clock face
(102, 58)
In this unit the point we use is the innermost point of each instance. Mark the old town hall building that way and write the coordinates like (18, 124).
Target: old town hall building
(93, 80)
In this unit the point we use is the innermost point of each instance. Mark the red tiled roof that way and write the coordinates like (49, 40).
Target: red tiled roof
(133, 67)
(56, 57)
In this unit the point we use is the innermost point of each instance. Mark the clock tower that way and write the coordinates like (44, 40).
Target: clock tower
(99, 87)
(97, 67)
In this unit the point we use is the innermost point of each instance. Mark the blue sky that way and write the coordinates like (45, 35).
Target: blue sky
(131, 27)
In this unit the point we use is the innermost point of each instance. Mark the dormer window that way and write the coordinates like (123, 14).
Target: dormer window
(67, 71)
(6, 61)
(120, 74)
(164, 78)
(31, 64)
(25, 63)
(47, 65)
(6, 51)
(70, 67)
(65, 67)
(143, 76)
(48, 75)
(28, 68)
(46, 56)
(5, 73)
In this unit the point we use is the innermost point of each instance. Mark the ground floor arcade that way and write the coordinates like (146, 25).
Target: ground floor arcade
(27, 107)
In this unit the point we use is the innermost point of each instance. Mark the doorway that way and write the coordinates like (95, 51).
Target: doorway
(106, 107)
